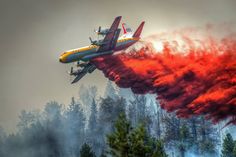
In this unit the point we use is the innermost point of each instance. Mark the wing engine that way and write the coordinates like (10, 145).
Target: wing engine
(101, 31)
(79, 73)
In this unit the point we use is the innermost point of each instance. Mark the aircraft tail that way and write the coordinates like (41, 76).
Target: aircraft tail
(139, 30)
(126, 29)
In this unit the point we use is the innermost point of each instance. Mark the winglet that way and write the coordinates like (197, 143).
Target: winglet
(139, 30)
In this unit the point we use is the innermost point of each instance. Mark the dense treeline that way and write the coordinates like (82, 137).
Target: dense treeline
(119, 124)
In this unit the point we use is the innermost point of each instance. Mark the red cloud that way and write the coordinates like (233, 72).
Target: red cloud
(190, 77)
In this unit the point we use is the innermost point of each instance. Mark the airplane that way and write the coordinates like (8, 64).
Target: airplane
(110, 44)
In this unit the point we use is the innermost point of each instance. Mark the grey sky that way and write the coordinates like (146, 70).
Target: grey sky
(33, 33)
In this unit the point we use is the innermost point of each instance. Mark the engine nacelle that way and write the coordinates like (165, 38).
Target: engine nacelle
(101, 31)
(97, 42)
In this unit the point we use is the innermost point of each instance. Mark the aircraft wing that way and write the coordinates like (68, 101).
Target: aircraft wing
(111, 37)
(89, 68)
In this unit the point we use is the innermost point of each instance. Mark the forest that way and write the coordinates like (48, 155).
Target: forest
(115, 124)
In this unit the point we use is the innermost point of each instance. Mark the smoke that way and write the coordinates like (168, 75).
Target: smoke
(190, 71)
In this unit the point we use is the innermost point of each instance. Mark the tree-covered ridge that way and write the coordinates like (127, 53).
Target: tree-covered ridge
(91, 124)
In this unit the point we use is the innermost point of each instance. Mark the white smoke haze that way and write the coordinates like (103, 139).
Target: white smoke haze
(34, 33)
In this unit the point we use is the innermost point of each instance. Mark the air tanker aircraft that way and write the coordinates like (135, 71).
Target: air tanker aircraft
(107, 46)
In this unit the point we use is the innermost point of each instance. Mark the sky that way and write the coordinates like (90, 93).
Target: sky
(34, 33)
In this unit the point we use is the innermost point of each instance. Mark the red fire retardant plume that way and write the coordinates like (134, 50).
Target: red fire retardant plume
(189, 76)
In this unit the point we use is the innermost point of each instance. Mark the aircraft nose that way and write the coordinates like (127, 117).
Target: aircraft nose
(61, 59)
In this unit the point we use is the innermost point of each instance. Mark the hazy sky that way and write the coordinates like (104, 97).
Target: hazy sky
(33, 33)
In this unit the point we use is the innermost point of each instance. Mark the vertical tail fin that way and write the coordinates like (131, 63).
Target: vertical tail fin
(126, 29)
(139, 30)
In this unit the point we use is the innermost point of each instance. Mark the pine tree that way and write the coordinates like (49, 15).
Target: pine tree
(106, 116)
(184, 136)
(141, 104)
(208, 137)
(53, 128)
(108, 113)
(172, 129)
(202, 136)
(159, 151)
(132, 115)
(193, 123)
(118, 141)
(26, 120)
(86, 151)
(86, 96)
(119, 107)
(142, 144)
(234, 151)
(228, 146)
(74, 124)
(128, 142)
(93, 117)
(137, 111)
(92, 131)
